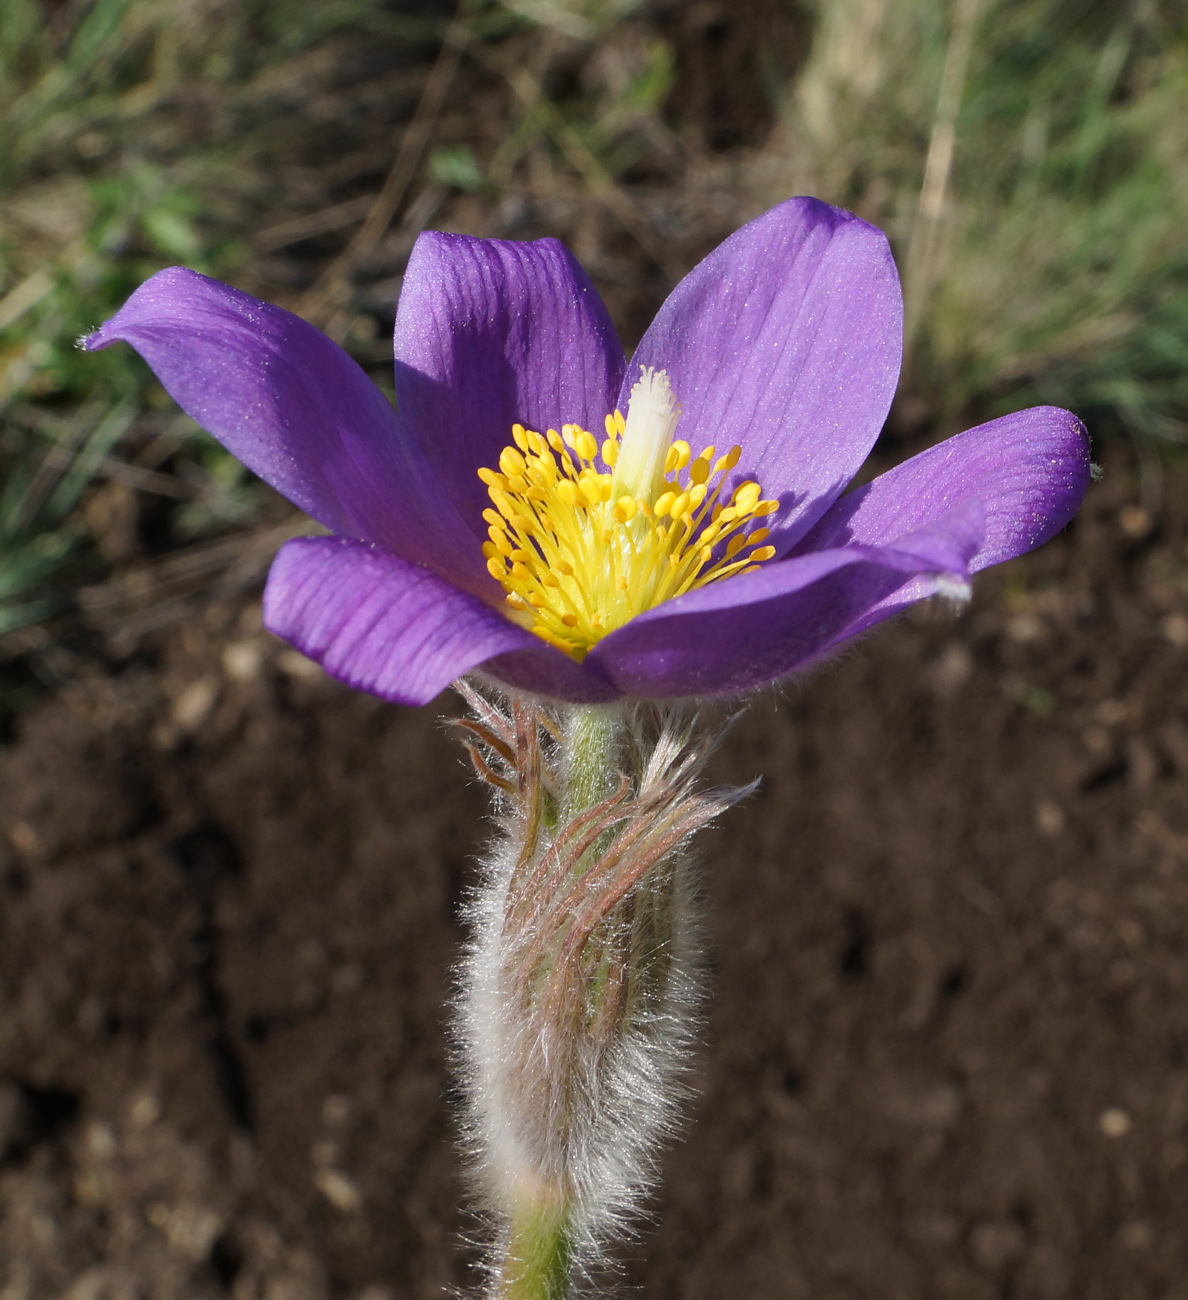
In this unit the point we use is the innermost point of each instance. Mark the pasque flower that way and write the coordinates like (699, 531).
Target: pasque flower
(537, 509)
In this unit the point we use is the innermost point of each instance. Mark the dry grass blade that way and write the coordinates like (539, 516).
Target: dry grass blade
(321, 302)
(923, 248)
(323, 222)
(600, 183)
(27, 294)
(240, 558)
(55, 461)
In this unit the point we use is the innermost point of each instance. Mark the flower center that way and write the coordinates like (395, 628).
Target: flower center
(580, 551)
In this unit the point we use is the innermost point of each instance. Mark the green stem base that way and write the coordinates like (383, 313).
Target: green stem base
(539, 1252)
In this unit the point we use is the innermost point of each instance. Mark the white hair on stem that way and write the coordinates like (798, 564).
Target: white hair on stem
(580, 993)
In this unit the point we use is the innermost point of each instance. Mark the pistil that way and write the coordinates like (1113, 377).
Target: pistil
(647, 434)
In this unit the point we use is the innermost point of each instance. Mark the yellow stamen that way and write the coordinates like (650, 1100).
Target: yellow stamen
(580, 549)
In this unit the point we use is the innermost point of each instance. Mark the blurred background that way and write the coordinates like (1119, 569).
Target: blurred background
(949, 1050)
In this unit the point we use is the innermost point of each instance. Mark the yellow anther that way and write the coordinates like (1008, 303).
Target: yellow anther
(763, 553)
(586, 444)
(680, 506)
(536, 442)
(663, 504)
(620, 422)
(570, 620)
(491, 479)
(609, 425)
(678, 456)
(759, 535)
(496, 569)
(554, 440)
(734, 545)
(746, 497)
(493, 518)
(765, 508)
(622, 583)
(726, 463)
(490, 550)
(697, 495)
(610, 452)
(626, 508)
(511, 462)
(699, 471)
(517, 483)
(567, 491)
(549, 579)
(520, 436)
(565, 568)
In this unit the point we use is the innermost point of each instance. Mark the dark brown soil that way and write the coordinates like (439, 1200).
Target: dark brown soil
(948, 1052)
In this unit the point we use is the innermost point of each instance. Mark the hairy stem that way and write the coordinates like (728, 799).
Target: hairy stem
(592, 745)
(539, 1253)
(580, 993)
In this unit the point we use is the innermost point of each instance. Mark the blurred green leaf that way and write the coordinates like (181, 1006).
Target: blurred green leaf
(456, 165)
(171, 233)
(647, 92)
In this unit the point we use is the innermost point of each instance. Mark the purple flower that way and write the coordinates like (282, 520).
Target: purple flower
(781, 350)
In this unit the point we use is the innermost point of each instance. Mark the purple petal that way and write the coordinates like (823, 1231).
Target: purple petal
(1030, 471)
(786, 340)
(490, 332)
(298, 411)
(545, 671)
(379, 623)
(746, 631)
(392, 628)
